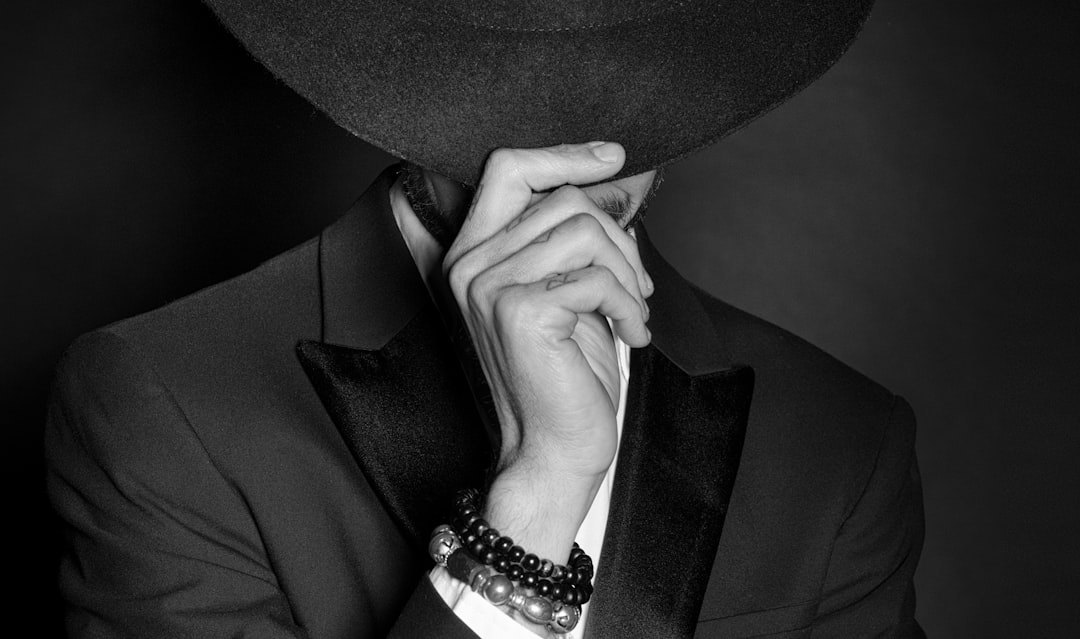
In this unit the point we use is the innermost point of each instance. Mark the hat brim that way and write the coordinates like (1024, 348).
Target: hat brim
(444, 93)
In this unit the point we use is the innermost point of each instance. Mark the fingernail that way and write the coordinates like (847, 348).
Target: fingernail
(647, 311)
(648, 281)
(607, 151)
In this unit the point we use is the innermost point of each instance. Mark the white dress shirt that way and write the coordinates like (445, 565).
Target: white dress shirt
(486, 620)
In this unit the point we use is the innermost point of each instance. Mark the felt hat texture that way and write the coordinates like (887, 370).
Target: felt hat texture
(443, 83)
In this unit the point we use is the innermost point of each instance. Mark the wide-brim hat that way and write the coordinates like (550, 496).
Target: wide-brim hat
(442, 84)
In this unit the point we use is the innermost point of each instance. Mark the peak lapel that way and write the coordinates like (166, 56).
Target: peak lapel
(387, 373)
(392, 384)
(686, 416)
(408, 418)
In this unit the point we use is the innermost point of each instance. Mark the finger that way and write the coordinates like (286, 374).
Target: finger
(575, 243)
(566, 201)
(563, 204)
(512, 176)
(557, 301)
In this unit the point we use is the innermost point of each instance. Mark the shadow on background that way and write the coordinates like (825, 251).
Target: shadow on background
(911, 213)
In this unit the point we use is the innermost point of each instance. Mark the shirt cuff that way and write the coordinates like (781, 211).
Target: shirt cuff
(483, 618)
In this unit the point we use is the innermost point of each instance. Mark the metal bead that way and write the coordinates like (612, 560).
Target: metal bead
(517, 599)
(442, 543)
(564, 618)
(479, 581)
(498, 590)
(538, 610)
(516, 553)
(530, 562)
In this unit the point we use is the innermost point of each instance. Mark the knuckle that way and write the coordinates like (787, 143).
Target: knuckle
(460, 276)
(570, 195)
(510, 307)
(476, 292)
(604, 275)
(566, 191)
(584, 224)
(503, 161)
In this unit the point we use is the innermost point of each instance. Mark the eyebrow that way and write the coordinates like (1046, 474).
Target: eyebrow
(617, 205)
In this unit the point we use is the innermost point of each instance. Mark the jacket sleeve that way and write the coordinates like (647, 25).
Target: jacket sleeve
(158, 542)
(869, 589)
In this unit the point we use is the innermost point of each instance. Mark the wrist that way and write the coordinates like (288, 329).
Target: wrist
(492, 564)
(541, 510)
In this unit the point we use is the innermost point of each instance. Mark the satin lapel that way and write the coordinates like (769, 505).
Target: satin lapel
(387, 374)
(392, 385)
(686, 415)
(408, 417)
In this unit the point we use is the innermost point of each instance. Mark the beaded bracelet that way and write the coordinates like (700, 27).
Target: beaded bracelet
(446, 550)
(571, 584)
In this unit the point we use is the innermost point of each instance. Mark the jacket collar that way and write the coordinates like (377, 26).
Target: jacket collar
(387, 376)
(370, 287)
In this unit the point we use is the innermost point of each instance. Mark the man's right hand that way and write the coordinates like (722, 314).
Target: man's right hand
(536, 271)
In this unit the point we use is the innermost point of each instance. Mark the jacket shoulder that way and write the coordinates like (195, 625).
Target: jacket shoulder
(226, 353)
(825, 522)
(817, 426)
(785, 358)
(279, 295)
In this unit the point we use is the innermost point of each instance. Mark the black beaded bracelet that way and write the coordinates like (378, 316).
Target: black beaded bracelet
(570, 584)
(446, 549)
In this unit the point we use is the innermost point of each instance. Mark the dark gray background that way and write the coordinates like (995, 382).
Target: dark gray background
(913, 213)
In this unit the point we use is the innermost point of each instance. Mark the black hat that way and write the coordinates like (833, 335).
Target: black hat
(444, 83)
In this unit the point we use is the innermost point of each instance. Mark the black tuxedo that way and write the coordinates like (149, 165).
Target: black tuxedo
(265, 458)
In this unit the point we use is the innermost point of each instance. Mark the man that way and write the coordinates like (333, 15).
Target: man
(269, 457)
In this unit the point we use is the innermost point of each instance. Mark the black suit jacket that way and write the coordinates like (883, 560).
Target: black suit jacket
(265, 458)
